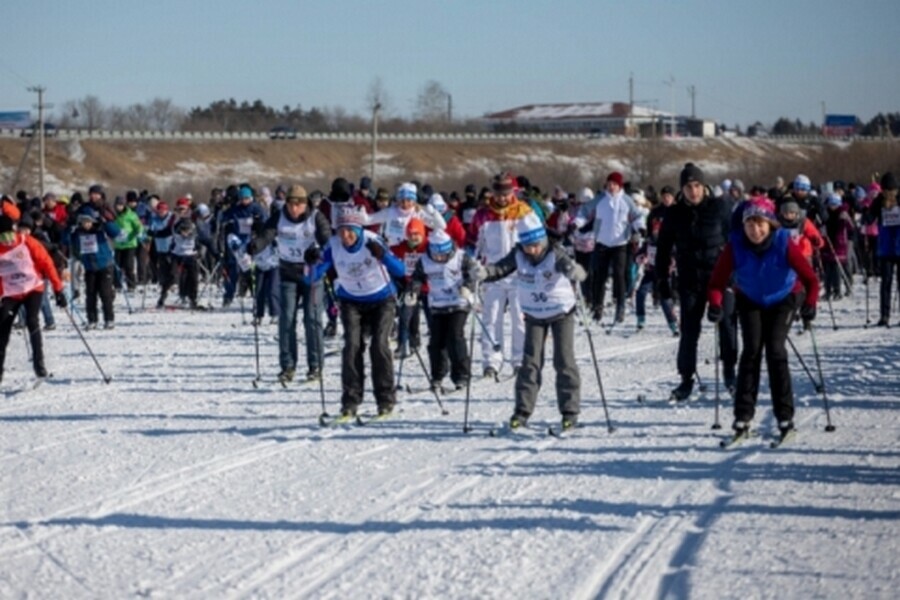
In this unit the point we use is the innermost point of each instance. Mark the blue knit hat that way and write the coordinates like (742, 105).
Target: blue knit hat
(530, 229)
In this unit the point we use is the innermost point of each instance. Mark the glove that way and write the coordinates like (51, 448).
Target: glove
(61, 300)
(714, 313)
(410, 299)
(467, 296)
(478, 273)
(808, 313)
(664, 288)
(312, 255)
(577, 273)
(376, 249)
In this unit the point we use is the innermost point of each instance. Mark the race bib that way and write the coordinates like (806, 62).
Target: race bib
(891, 218)
(88, 244)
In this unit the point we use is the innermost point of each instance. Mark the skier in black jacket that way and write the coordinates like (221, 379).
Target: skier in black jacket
(697, 225)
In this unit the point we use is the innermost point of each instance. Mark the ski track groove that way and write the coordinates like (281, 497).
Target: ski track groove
(340, 556)
(146, 490)
(658, 541)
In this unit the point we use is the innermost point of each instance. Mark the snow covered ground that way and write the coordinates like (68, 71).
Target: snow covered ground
(179, 479)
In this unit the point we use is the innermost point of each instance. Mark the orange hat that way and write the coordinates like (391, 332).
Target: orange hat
(415, 226)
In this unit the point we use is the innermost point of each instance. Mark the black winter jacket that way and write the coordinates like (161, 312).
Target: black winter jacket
(698, 233)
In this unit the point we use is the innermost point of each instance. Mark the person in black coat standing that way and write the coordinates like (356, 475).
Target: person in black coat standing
(697, 226)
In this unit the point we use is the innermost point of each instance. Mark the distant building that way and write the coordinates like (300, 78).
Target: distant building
(594, 118)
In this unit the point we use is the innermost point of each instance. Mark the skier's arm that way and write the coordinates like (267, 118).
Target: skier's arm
(502, 267)
(720, 277)
(805, 273)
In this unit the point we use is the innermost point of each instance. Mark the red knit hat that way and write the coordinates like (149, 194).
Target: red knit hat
(415, 226)
(616, 178)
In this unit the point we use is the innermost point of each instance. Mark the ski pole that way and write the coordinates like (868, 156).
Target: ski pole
(314, 306)
(399, 387)
(124, 284)
(845, 278)
(868, 320)
(829, 427)
(812, 379)
(437, 395)
(466, 428)
(106, 378)
(828, 296)
(255, 324)
(497, 347)
(716, 424)
(590, 338)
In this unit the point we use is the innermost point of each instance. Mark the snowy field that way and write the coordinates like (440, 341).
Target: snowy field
(180, 480)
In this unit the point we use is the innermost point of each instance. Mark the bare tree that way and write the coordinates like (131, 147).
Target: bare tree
(87, 112)
(432, 104)
(163, 115)
(378, 96)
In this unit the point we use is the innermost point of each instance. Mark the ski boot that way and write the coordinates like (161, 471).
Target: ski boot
(683, 391)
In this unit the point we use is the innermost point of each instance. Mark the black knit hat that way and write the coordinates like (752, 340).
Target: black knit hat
(6, 223)
(689, 173)
(340, 190)
(888, 181)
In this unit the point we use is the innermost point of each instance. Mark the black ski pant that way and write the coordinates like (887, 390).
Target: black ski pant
(693, 313)
(604, 258)
(568, 380)
(9, 307)
(99, 284)
(188, 277)
(126, 261)
(165, 274)
(889, 266)
(358, 318)
(764, 328)
(447, 339)
(584, 259)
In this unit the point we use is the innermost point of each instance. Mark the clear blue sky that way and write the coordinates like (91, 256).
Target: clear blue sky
(749, 59)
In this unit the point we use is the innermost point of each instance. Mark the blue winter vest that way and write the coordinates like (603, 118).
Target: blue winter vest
(765, 278)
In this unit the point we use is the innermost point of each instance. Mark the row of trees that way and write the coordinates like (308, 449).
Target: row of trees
(433, 111)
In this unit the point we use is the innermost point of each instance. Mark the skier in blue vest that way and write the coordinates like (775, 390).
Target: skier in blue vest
(772, 280)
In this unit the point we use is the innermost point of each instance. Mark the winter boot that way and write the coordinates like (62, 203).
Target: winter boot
(673, 326)
(569, 422)
(784, 427)
(517, 421)
(640, 323)
(314, 375)
(286, 375)
(741, 428)
(331, 329)
(490, 373)
(683, 391)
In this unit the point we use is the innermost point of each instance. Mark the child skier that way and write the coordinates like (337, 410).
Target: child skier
(544, 277)
(410, 251)
(838, 227)
(447, 271)
(772, 279)
(92, 244)
(184, 259)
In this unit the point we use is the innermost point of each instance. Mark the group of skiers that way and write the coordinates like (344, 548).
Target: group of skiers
(382, 261)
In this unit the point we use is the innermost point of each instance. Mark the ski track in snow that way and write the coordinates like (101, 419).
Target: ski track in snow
(181, 479)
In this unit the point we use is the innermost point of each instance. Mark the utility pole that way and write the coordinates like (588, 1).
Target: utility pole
(630, 93)
(39, 90)
(375, 110)
(449, 108)
(692, 90)
(671, 84)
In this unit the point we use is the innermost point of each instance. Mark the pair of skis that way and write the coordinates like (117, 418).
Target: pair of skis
(738, 438)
